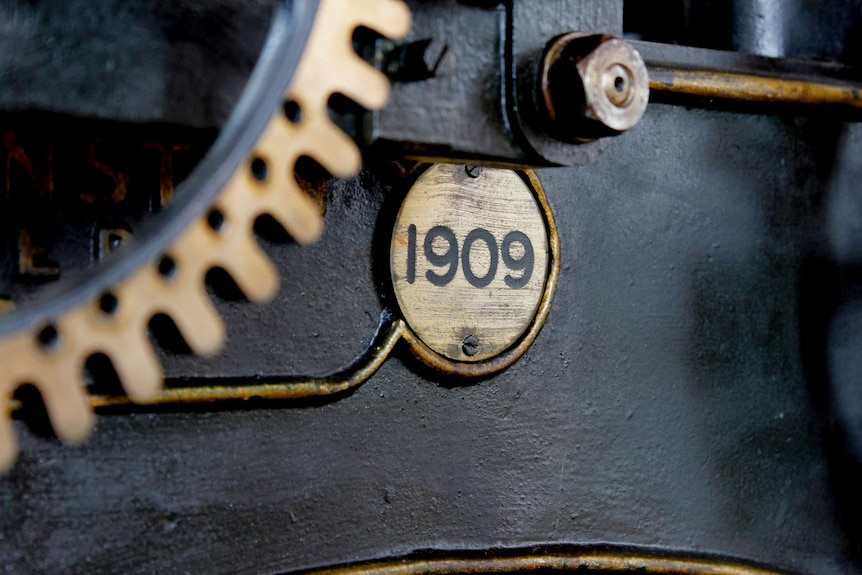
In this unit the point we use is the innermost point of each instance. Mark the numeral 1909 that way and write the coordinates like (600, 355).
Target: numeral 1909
(449, 259)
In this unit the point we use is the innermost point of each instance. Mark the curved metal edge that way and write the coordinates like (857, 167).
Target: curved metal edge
(505, 359)
(593, 561)
(389, 333)
(264, 91)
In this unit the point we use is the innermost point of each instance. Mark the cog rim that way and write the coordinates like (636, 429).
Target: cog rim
(290, 28)
(171, 281)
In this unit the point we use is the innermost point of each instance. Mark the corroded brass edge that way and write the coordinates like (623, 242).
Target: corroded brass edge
(623, 561)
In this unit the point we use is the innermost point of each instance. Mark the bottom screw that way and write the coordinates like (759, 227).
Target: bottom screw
(470, 346)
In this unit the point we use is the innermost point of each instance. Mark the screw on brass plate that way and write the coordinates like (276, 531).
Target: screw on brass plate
(473, 171)
(470, 346)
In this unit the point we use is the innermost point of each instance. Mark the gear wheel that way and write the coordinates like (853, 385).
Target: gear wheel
(47, 345)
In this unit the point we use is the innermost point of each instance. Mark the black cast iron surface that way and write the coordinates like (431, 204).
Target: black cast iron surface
(177, 62)
(665, 403)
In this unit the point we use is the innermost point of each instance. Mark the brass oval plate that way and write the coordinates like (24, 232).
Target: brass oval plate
(473, 261)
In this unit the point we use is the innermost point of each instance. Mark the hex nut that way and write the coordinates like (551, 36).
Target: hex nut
(591, 86)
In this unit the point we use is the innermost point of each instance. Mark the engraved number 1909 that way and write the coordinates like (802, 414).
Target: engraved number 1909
(448, 259)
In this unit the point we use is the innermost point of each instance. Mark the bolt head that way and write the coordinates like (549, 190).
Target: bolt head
(592, 86)
(616, 85)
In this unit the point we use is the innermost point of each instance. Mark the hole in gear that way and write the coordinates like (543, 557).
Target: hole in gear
(167, 267)
(259, 169)
(292, 111)
(49, 337)
(215, 220)
(108, 303)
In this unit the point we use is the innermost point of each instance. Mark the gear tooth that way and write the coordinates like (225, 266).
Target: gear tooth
(137, 367)
(186, 300)
(297, 213)
(334, 150)
(251, 269)
(11, 349)
(197, 319)
(66, 403)
(239, 253)
(8, 442)
(388, 17)
(363, 84)
(280, 194)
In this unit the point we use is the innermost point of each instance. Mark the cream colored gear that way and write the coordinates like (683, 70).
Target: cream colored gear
(328, 65)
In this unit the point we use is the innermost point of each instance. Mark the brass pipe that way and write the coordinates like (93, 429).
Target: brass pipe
(380, 350)
(754, 89)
